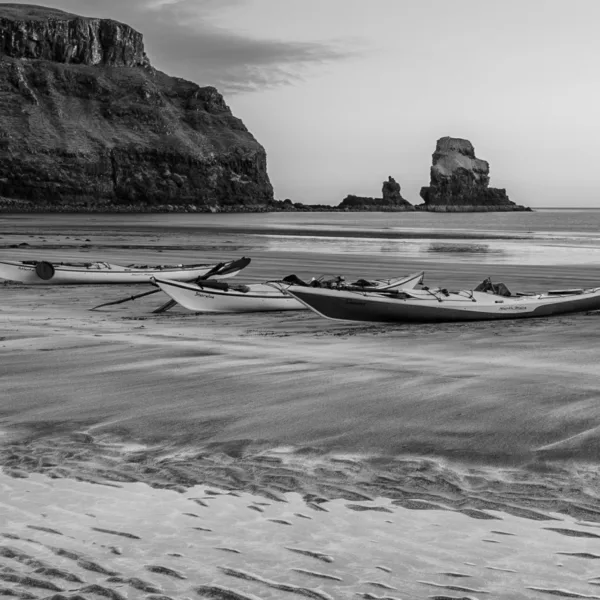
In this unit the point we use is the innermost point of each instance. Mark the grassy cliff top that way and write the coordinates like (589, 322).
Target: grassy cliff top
(32, 12)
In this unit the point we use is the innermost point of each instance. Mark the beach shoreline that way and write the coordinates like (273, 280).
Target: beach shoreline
(269, 444)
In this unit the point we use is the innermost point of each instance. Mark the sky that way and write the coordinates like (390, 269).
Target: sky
(344, 93)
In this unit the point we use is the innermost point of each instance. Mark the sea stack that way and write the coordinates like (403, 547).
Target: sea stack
(87, 121)
(391, 200)
(460, 180)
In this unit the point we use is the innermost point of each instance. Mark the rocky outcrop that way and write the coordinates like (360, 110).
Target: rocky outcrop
(85, 119)
(391, 200)
(460, 180)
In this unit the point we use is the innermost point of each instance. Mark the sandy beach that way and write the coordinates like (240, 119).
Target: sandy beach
(278, 455)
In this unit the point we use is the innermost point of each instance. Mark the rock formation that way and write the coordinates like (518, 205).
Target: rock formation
(459, 181)
(86, 120)
(391, 200)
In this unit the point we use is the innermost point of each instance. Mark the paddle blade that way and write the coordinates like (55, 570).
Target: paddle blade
(235, 265)
(225, 268)
(166, 306)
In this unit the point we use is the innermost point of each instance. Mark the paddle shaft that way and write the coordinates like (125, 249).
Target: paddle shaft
(126, 299)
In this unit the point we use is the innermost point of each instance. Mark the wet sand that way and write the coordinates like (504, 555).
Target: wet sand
(61, 538)
(462, 425)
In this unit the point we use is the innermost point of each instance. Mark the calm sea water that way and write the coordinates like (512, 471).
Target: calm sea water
(542, 237)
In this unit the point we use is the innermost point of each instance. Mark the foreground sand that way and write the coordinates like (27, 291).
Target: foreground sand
(63, 538)
(472, 422)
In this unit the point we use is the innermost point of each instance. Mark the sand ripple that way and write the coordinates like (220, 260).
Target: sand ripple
(280, 521)
(46, 529)
(313, 554)
(90, 565)
(285, 587)
(455, 588)
(136, 583)
(563, 593)
(17, 593)
(164, 571)
(29, 581)
(379, 584)
(218, 592)
(573, 532)
(232, 550)
(318, 574)
(121, 533)
(59, 573)
(101, 590)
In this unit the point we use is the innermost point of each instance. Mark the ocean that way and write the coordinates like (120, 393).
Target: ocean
(542, 237)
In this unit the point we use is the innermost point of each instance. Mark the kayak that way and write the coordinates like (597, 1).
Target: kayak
(46, 273)
(439, 305)
(209, 296)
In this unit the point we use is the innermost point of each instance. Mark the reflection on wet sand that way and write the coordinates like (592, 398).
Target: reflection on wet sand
(532, 251)
(461, 248)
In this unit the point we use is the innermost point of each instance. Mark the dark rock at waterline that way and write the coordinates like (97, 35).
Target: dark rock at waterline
(391, 200)
(460, 182)
(88, 122)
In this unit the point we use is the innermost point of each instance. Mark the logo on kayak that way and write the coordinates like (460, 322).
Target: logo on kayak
(204, 295)
(518, 307)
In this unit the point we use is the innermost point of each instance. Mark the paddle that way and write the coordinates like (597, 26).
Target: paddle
(170, 303)
(219, 269)
(214, 271)
(126, 299)
(236, 265)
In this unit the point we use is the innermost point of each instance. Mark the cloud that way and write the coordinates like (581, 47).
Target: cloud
(187, 42)
(236, 63)
(190, 39)
(158, 4)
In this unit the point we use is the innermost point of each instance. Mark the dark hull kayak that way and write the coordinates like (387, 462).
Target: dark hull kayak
(434, 307)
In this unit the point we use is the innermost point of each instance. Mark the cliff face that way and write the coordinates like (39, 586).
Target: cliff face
(459, 181)
(391, 200)
(85, 118)
(46, 34)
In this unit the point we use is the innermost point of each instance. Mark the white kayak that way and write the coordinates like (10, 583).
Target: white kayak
(210, 296)
(46, 273)
(438, 305)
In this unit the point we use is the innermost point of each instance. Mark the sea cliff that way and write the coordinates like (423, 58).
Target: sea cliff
(88, 123)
